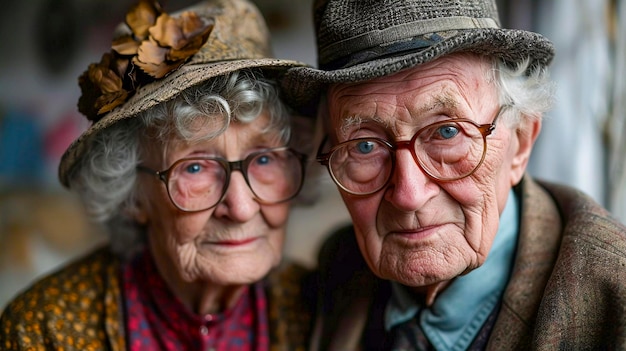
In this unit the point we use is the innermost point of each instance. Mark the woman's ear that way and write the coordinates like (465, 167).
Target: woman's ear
(137, 211)
(526, 134)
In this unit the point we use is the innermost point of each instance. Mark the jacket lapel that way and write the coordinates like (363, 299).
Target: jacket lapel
(538, 243)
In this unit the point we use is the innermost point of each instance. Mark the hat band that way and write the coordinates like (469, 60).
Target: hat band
(404, 37)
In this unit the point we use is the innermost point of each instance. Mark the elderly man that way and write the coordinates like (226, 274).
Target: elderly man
(431, 111)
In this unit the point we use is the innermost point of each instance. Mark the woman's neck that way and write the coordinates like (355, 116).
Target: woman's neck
(201, 297)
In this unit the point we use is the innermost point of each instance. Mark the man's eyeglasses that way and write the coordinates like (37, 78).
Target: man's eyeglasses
(447, 150)
(200, 183)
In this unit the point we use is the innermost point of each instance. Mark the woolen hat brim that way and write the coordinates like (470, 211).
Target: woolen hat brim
(303, 85)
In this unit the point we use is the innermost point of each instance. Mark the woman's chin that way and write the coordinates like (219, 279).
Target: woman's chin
(237, 271)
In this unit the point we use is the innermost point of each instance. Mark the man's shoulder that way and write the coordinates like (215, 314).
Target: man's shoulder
(583, 218)
(341, 265)
(586, 276)
(340, 251)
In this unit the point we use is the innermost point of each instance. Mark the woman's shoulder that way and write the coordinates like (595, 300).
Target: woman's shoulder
(289, 279)
(73, 284)
(66, 308)
(290, 304)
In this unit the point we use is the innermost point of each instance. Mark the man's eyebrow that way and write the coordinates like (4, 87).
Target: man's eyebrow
(350, 121)
(445, 101)
(441, 101)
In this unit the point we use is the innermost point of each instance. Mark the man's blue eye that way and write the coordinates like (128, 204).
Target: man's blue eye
(365, 147)
(448, 132)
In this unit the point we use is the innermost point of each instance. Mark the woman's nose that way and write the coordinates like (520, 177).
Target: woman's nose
(239, 203)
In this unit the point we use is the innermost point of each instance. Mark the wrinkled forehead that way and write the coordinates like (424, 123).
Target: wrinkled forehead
(453, 82)
(205, 128)
(466, 66)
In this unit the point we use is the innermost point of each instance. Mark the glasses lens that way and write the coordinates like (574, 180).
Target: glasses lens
(449, 150)
(275, 175)
(196, 184)
(361, 166)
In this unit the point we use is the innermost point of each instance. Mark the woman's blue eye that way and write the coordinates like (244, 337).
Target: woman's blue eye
(193, 168)
(263, 160)
(448, 132)
(365, 147)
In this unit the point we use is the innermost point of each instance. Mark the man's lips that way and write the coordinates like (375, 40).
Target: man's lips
(417, 232)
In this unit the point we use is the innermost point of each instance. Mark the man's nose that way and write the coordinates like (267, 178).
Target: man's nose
(409, 187)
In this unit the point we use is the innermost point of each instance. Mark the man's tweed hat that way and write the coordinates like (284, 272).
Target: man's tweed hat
(359, 40)
(198, 43)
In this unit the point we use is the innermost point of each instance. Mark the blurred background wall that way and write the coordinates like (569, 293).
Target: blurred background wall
(47, 44)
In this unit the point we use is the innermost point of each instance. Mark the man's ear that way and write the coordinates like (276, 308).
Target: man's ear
(526, 133)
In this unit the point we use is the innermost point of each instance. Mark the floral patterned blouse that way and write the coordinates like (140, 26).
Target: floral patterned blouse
(81, 307)
(157, 320)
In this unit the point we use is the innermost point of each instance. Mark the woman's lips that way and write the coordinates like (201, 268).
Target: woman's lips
(234, 242)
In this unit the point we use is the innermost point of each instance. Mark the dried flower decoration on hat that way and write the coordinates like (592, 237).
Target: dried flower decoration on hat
(156, 45)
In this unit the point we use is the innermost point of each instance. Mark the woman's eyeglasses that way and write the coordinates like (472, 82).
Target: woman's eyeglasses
(200, 183)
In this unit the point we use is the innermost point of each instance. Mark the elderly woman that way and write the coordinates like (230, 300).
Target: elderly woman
(189, 166)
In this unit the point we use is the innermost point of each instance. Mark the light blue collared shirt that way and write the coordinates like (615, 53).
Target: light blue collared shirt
(459, 312)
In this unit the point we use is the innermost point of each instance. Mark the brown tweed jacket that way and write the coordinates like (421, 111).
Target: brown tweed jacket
(567, 290)
(80, 308)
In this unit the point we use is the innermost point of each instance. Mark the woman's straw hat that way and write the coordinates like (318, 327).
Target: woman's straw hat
(156, 56)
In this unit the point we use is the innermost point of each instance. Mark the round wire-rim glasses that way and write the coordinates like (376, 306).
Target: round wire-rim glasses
(387, 166)
(293, 166)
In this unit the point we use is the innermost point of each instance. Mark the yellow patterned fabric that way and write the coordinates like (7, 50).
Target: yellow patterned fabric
(80, 308)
